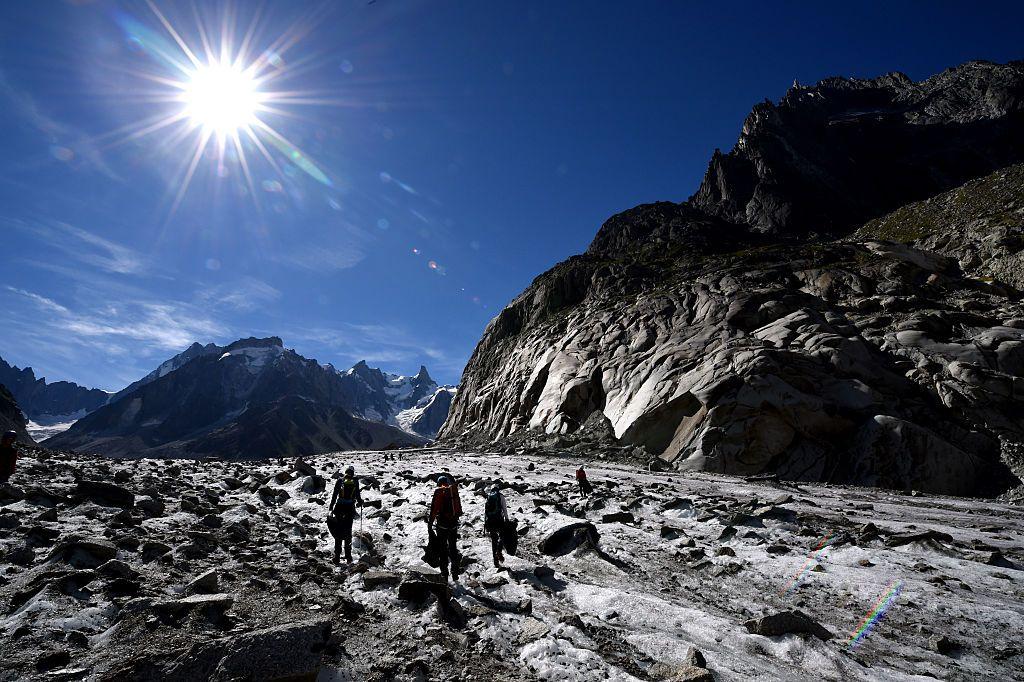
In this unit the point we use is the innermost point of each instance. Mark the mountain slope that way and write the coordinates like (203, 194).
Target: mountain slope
(252, 398)
(42, 401)
(715, 337)
(11, 417)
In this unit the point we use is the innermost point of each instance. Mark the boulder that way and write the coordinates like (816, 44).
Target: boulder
(568, 538)
(84, 552)
(374, 579)
(787, 622)
(103, 493)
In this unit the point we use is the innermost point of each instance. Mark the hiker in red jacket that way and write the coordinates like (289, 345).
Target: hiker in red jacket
(445, 510)
(8, 456)
(581, 479)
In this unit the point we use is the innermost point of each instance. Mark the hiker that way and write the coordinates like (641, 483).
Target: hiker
(581, 479)
(445, 510)
(342, 512)
(8, 456)
(495, 520)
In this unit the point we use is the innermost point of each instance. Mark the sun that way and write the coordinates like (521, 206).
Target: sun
(221, 98)
(226, 99)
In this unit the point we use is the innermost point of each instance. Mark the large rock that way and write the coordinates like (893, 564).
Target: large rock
(286, 652)
(84, 552)
(568, 538)
(787, 622)
(104, 493)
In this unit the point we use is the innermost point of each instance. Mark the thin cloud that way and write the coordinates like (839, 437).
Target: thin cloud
(322, 259)
(244, 295)
(55, 131)
(86, 247)
(155, 325)
(42, 301)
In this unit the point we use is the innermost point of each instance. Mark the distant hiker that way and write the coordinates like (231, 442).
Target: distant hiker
(445, 510)
(581, 479)
(342, 512)
(495, 520)
(8, 456)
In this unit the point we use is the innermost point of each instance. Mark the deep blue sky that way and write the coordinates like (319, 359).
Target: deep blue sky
(494, 138)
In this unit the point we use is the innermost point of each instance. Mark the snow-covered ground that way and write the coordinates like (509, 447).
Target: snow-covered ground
(702, 555)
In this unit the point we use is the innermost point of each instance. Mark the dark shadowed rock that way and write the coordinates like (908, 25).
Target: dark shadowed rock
(787, 622)
(103, 493)
(568, 538)
(84, 552)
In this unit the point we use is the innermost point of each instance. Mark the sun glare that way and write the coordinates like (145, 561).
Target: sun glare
(221, 98)
(226, 100)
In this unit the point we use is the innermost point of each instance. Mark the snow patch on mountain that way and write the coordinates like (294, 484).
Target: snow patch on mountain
(415, 404)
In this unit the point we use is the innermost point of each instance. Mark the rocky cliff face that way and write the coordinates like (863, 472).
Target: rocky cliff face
(11, 416)
(252, 398)
(716, 336)
(42, 401)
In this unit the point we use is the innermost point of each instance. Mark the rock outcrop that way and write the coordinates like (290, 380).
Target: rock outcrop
(11, 417)
(716, 336)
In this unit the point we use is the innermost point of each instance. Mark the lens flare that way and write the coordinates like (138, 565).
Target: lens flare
(875, 615)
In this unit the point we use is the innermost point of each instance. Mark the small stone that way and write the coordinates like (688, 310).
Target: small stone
(207, 583)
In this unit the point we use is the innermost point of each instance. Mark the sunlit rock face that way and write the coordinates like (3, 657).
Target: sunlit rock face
(719, 335)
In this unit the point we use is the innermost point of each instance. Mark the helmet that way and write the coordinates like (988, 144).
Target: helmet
(10, 435)
(496, 488)
(350, 471)
(444, 479)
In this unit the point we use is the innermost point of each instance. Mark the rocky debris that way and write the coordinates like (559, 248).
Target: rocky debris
(787, 622)
(167, 596)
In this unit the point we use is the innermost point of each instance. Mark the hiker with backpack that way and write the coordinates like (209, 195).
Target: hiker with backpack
(445, 510)
(8, 456)
(495, 521)
(581, 479)
(342, 512)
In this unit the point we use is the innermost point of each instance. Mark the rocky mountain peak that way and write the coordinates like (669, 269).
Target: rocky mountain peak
(253, 342)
